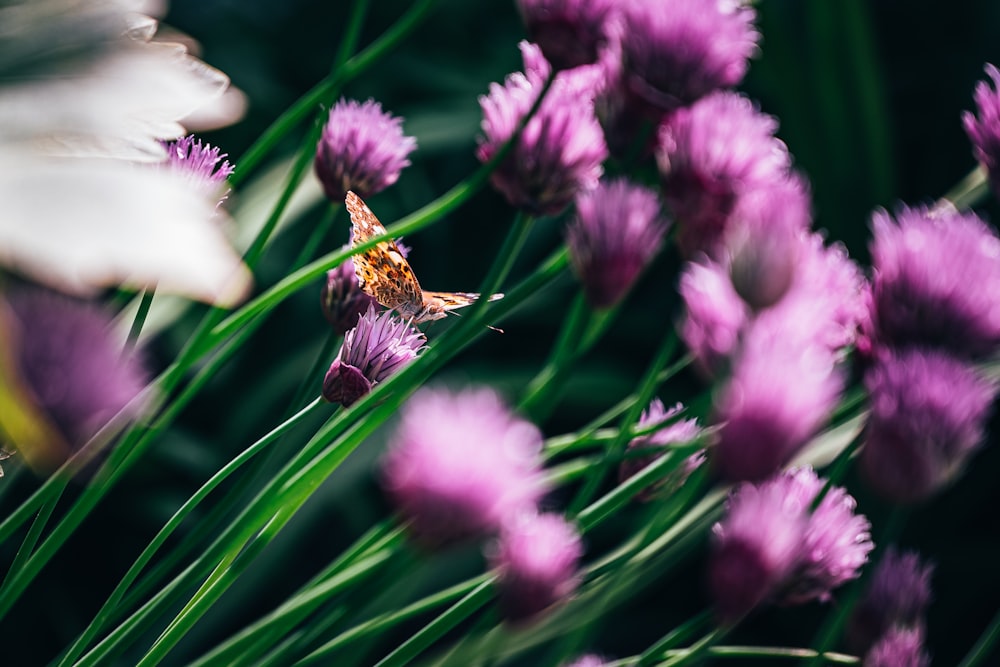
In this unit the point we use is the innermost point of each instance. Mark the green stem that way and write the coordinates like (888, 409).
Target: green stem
(97, 624)
(981, 651)
(31, 539)
(140, 318)
(391, 619)
(673, 638)
(326, 90)
(970, 190)
(777, 652)
(371, 549)
(647, 388)
(458, 612)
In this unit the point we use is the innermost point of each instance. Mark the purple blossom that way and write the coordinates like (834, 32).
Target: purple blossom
(983, 128)
(679, 50)
(928, 414)
(715, 315)
(569, 32)
(900, 647)
(342, 300)
(378, 346)
(711, 155)
(71, 368)
(836, 543)
(616, 233)
(362, 149)
(202, 164)
(460, 465)
(755, 547)
(936, 278)
(589, 660)
(897, 595)
(536, 559)
(680, 431)
(781, 391)
(823, 303)
(771, 545)
(560, 151)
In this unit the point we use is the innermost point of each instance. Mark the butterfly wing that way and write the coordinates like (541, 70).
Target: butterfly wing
(382, 271)
(438, 304)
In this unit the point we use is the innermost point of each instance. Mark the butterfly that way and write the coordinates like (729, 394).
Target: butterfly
(386, 276)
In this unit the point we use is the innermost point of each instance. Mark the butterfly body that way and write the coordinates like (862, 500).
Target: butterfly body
(386, 276)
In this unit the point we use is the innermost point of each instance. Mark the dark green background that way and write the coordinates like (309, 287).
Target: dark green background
(868, 96)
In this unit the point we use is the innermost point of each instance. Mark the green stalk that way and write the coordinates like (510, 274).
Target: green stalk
(175, 521)
(981, 651)
(328, 88)
(648, 386)
(375, 545)
(388, 620)
(458, 612)
(140, 318)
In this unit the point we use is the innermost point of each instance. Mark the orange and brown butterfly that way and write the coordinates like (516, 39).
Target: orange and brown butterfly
(386, 276)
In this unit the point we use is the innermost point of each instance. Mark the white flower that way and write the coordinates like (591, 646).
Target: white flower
(84, 97)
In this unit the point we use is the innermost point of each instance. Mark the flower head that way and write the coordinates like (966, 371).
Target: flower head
(983, 127)
(342, 299)
(681, 430)
(460, 465)
(936, 277)
(68, 371)
(587, 661)
(536, 560)
(569, 32)
(616, 233)
(782, 389)
(755, 547)
(836, 543)
(205, 166)
(679, 50)
(899, 647)
(771, 545)
(362, 148)
(560, 151)
(897, 595)
(378, 346)
(714, 314)
(711, 155)
(74, 120)
(928, 414)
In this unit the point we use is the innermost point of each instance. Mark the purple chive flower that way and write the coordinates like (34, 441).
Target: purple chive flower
(770, 545)
(936, 279)
(682, 430)
(560, 151)
(205, 166)
(679, 50)
(616, 233)
(715, 315)
(587, 661)
(781, 391)
(713, 154)
(900, 647)
(72, 369)
(762, 242)
(460, 465)
(378, 346)
(536, 559)
(570, 33)
(342, 299)
(928, 414)
(362, 149)
(755, 547)
(836, 543)
(897, 596)
(983, 128)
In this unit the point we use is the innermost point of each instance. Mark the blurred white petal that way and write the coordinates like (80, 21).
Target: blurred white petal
(76, 224)
(82, 80)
